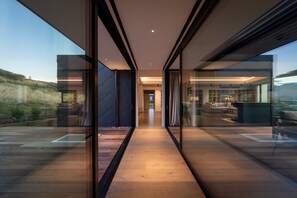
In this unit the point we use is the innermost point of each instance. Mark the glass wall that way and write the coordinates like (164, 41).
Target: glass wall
(232, 96)
(45, 100)
(115, 113)
(239, 121)
(174, 103)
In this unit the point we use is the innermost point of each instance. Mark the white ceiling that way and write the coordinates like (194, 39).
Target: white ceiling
(150, 77)
(166, 17)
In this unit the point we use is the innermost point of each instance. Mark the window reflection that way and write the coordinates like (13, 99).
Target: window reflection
(239, 115)
(44, 100)
(229, 97)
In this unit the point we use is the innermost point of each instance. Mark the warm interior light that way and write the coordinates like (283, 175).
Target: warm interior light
(70, 80)
(222, 79)
(151, 79)
(153, 31)
(247, 78)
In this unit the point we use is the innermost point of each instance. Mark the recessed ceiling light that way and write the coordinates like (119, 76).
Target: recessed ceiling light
(106, 59)
(153, 31)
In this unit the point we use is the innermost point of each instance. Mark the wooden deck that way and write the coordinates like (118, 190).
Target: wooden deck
(109, 142)
(176, 132)
(152, 166)
(45, 162)
(228, 172)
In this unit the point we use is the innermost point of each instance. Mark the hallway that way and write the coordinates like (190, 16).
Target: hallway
(152, 165)
(150, 119)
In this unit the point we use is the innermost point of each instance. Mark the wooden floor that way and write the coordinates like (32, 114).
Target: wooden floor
(176, 133)
(109, 141)
(253, 143)
(230, 173)
(279, 156)
(150, 119)
(152, 166)
(34, 164)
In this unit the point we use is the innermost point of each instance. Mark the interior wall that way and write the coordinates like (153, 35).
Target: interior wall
(124, 97)
(158, 96)
(114, 97)
(140, 98)
(106, 97)
(146, 99)
(158, 100)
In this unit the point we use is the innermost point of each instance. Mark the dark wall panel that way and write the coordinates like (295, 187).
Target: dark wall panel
(124, 88)
(106, 97)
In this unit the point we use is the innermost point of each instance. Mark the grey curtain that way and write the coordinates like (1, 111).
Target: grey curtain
(87, 105)
(174, 100)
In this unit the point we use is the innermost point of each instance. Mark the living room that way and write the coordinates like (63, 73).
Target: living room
(216, 96)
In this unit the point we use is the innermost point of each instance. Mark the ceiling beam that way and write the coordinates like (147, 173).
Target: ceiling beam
(194, 10)
(272, 30)
(202, 15)
(111, 27)
(115, 10)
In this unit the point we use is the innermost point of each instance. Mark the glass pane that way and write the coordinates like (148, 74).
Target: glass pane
(174, 103)
(240, 119)
(114, 110)
(45, 124)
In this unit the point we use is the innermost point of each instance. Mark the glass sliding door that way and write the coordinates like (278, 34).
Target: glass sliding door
(46, 99)
(115, 120)
(235, 118)
(174, 103)
(239, 112)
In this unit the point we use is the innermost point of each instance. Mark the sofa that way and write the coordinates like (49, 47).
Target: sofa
(217, 107)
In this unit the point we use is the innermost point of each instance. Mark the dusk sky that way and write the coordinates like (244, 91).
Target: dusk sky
(28, 45)
(285, 58)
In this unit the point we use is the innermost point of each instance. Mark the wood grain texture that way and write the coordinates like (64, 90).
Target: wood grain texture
(32, 165)
(108, 143)
(153, 167)
(228, 172)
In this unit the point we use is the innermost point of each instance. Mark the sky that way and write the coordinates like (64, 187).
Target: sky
(285, 60)
(28, 45)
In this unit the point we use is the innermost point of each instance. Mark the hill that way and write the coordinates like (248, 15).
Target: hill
(16, 90)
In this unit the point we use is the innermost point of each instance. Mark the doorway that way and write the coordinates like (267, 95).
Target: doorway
(149, 100)
(151, 116)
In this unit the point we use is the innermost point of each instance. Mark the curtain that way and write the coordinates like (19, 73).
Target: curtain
(174, 100)
(88, 93)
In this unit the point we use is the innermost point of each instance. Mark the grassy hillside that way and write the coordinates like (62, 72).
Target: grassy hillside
(17, 91)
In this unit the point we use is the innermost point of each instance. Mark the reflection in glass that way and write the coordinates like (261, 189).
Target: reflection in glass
(241, 115)
(174, 103)
(45, 113)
